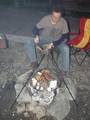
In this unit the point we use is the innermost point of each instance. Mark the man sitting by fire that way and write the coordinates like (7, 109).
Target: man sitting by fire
(53, 31)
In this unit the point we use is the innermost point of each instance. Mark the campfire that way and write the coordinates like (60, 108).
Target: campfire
(43, 87)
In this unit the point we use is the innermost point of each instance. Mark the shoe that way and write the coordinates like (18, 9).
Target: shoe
(34, 65)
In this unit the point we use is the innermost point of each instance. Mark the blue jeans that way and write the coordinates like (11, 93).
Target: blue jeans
(64, 50)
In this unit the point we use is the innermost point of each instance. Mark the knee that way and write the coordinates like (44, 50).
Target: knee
(65, 48)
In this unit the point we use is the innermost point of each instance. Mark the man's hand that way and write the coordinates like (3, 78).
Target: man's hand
(50, 46)
(36, 39)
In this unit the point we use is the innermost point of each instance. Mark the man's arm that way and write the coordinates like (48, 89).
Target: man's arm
(58, 42)
(65, 34)
(36, 31)
(39, 27)
(64, 37)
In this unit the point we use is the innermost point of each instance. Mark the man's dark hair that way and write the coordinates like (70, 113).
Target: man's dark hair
(58, 9)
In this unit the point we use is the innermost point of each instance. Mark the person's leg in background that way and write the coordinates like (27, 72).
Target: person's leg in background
(31, 51)
(29, 45)
(64, 51)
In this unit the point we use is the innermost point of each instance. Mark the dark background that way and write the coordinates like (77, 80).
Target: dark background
(10, 2)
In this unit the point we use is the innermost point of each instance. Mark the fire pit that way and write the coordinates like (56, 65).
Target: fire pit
(43, 87)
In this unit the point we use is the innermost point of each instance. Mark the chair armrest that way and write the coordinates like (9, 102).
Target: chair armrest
(73, 33)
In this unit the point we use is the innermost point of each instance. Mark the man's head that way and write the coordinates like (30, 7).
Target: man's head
(56, 14)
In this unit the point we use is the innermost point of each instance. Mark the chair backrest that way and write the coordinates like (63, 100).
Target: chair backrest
(85, 32)
(82, 24)
(83, 38)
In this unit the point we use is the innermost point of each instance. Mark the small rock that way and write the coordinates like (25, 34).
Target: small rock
(20, 108)
(85, 105)
(26, 114)
(13, 114)
(21, 119)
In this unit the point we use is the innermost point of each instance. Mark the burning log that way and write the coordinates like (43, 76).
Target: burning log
(44, 75)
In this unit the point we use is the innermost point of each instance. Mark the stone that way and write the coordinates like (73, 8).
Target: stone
(40, 111)
(24, 96)
(26, 114)
(70, 84)
(60, 106)
(20, 108)
(22, 78)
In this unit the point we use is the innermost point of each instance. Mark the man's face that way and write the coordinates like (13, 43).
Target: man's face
(56, 16)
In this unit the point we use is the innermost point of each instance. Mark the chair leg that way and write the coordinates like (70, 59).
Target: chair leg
(80, 63)
(87, 54)
(75, 51)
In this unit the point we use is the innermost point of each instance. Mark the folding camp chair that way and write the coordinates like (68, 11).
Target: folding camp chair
(81, 43)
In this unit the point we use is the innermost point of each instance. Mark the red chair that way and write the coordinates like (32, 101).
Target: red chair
(82, 41)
